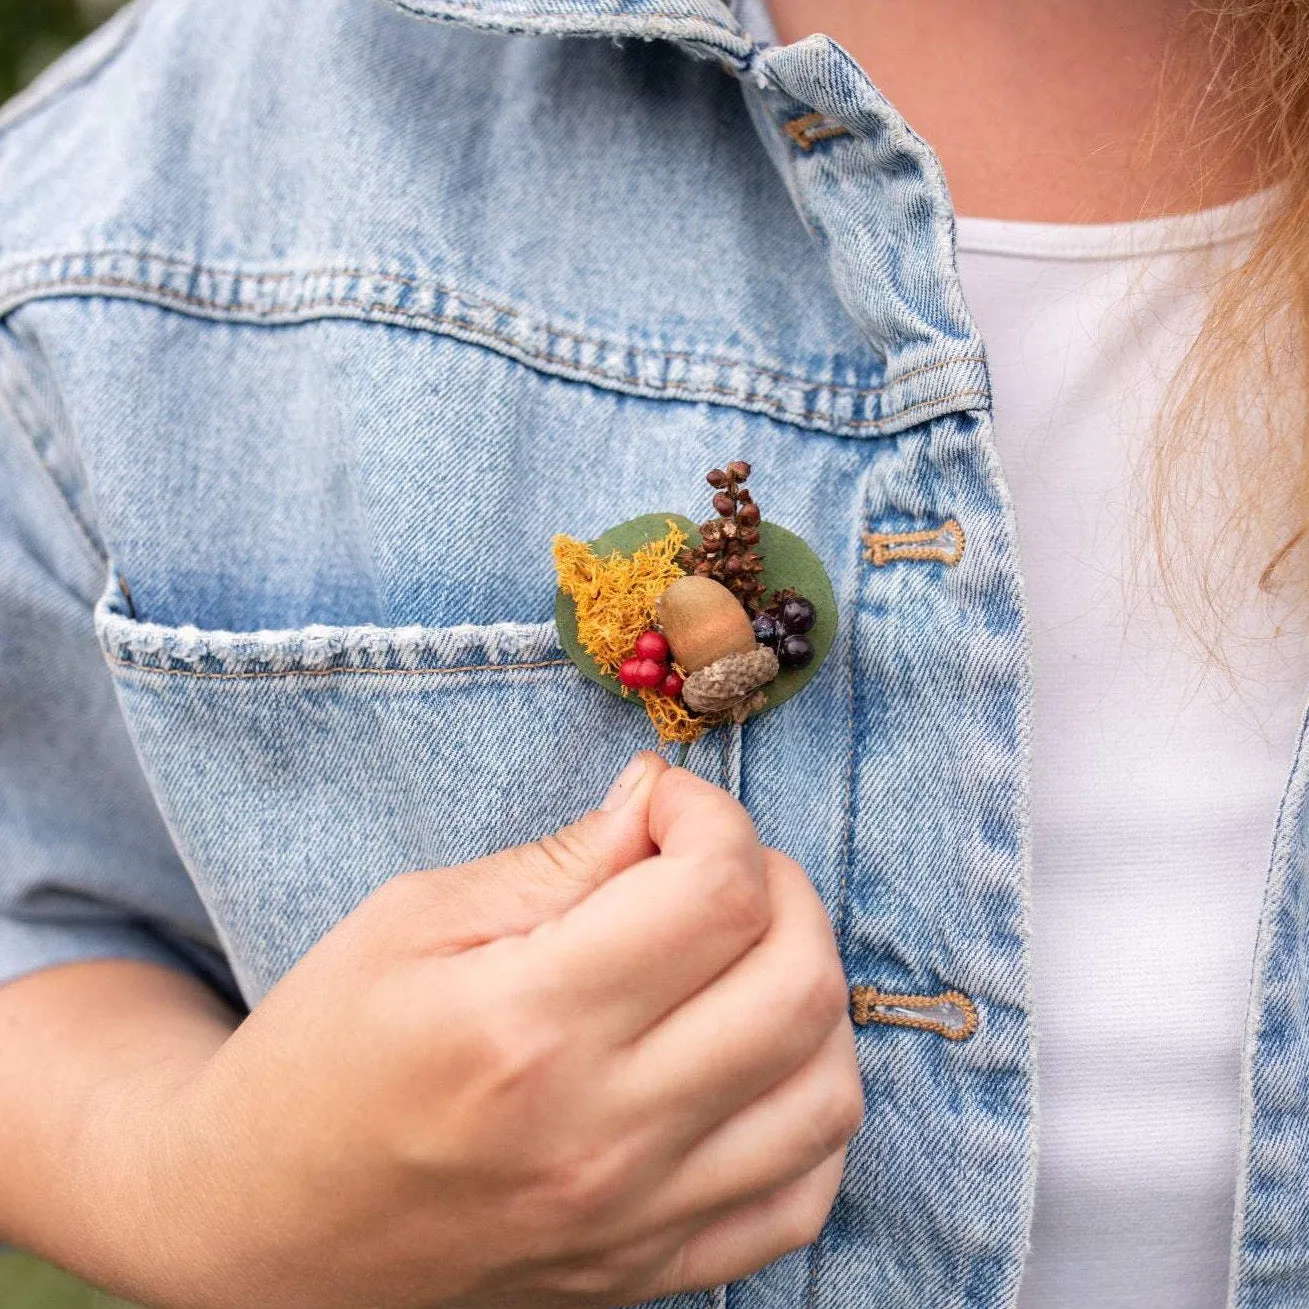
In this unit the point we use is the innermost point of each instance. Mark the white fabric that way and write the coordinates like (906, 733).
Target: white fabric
(1155, 783)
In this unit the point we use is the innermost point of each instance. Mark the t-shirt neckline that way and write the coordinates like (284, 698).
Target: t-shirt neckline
(1173, 233)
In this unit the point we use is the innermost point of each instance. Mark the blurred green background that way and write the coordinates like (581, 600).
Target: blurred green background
(33, 33)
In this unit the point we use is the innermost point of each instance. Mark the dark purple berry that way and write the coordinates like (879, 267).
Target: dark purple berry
(794, 652)
(797, 615)
(767, 630)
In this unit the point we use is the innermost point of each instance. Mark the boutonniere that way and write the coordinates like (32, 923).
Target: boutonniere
(699, 625)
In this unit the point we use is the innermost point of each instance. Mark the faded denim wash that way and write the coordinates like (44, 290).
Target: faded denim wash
(317, 322)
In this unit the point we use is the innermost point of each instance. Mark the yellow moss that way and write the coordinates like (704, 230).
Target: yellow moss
(672, 720)
(615, 599)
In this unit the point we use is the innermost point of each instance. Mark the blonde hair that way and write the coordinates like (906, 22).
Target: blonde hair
(1229, 511)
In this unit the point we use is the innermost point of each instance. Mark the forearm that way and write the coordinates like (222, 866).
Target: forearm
(90, 1053)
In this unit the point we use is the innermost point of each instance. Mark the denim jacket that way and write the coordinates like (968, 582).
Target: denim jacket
(316, 323)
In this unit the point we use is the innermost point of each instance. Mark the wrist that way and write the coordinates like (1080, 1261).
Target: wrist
(104, 1054)
(133, 1226)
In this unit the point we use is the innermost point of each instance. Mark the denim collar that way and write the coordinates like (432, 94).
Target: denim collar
(883, 207)
(707, 27)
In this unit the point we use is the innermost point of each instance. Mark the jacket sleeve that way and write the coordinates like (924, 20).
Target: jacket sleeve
(87, 868)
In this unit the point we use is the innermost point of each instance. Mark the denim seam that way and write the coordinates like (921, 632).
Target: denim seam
(10, 271)
(332, 672)
(515, 346)
(62, 498)
(1289, 817)
(843, 889)
(848, 815)
(654, 25)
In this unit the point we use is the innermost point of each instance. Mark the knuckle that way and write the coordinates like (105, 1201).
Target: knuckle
(842, 1114)
(603, 1281)
(586, 1182)
(785, 870)
(587, 1282)
(516, 1059)
(820, 994)
(803, 1222)
(618, 1274)
(564, 857)
(736, 898)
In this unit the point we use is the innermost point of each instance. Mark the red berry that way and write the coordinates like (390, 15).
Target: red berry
(672, 686)
(648, 673)
(652, 645)
(629, 671)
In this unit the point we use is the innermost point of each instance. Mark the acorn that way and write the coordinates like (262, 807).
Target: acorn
(713, 639)
(703, 622)
(732, 683)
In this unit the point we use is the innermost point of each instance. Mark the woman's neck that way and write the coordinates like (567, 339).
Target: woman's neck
(1048, 110)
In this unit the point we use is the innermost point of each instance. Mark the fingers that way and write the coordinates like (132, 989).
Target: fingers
(744, 1241)
(515, 890)
(657, 933)
(563, 868)
(753, 1027)
(690, 817)
(778, 1138)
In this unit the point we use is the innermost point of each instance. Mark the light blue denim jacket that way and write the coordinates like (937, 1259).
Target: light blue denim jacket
(317, 321)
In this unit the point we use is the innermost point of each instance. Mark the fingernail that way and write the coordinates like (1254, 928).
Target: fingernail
(624, 784)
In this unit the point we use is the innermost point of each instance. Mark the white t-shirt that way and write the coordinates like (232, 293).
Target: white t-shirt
(1155, 782)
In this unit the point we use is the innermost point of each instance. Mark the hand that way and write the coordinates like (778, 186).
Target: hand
(646, 1088)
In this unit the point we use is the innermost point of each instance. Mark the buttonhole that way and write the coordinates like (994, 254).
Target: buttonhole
(950, 1014)
(942, 545)
(807, 130)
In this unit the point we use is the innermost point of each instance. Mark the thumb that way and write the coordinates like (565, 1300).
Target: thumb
(515, 890)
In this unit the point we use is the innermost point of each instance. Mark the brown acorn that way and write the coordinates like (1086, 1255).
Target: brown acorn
(703, 621)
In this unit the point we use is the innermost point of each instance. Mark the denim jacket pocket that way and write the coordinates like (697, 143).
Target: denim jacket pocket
(300, 769)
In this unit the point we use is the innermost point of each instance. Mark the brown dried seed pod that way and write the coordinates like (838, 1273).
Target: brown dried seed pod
(716, 478)
(738, 469)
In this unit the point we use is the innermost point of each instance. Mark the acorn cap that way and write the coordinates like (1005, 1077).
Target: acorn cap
(703, 621)
(728, 681)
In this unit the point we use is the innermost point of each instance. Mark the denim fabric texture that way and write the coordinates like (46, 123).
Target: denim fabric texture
(316, 322)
